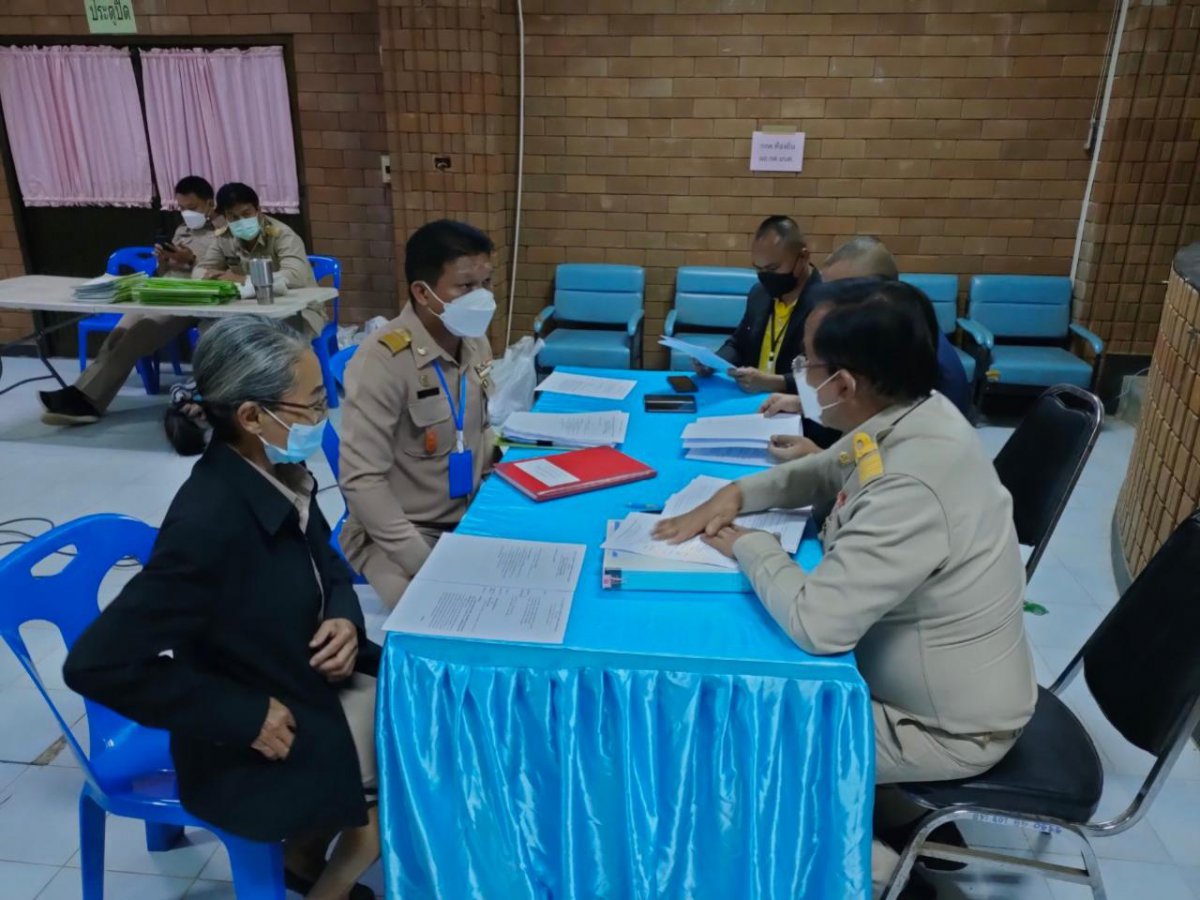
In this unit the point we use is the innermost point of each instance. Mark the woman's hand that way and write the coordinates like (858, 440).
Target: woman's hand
(755, 381)
(278, 730)
(710, 517)
(724, 539)
(779, 404)
(786, 447)
(700, 369)
(338, 643)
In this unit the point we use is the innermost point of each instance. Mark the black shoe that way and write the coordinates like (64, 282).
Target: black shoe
(898, 838)
(69, 406)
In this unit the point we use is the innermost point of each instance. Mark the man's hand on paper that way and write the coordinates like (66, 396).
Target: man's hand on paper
(756, 381)
(724, 539)
(780, 404)
(709, 517)
(702, 370)
(786, 447)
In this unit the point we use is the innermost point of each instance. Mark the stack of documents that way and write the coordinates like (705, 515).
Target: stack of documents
(109, 288)
(740, 440)
(184, 292)
(491, 589)
(575, 430)
(630, 547)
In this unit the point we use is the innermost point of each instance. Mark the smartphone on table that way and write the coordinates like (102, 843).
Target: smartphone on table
(669, 403)
(681, 384)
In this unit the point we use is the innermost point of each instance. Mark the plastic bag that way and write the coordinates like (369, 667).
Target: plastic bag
(515, 377)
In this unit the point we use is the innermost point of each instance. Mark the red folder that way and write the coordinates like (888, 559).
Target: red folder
(596, 467)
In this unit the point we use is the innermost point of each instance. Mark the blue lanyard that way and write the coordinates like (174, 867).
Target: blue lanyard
(456, 415)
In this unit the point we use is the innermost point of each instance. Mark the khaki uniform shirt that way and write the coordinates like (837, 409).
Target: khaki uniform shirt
(922, 575)
(276, 242)
(397, 435)
(197, 241)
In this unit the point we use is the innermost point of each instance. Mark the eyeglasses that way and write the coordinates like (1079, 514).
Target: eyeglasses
(313, 412)
(800, 363)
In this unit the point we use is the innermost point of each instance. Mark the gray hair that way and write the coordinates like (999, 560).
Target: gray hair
(868, 256)
(246, 358)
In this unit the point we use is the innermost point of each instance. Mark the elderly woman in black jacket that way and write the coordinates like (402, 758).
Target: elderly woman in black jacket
(242, 636)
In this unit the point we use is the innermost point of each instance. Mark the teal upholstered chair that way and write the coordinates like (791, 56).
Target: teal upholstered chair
(709, 303)
(1024, 324)
(597, 315)
(942, 291)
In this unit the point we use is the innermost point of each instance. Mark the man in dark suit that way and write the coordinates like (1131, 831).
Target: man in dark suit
(771, 333)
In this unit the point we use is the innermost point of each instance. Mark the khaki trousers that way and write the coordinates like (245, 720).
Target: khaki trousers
(907, 751)
(134, 337)
(357, 697)
(387, 578)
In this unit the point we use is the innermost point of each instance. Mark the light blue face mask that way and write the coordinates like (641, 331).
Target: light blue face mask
(245, 229)
(303, 441)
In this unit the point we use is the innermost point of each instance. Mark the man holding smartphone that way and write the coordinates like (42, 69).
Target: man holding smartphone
(139, 335)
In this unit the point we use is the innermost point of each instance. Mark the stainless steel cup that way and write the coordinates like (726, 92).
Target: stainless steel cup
(262, 278)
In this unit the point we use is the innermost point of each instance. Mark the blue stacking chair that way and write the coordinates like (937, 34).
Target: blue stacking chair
(709, 303)
(136, 259)
(128, 769)
(1023, 323)
(598, 315)
(942, 291)
(326, 344)
(332, 446)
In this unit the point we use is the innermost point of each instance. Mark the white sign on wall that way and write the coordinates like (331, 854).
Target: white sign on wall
(773, 152)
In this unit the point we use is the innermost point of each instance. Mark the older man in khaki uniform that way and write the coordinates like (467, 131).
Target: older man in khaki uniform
(138, 334)
(921, 575)
(416, 398)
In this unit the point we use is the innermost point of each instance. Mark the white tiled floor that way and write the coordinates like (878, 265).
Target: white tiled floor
(123, 465)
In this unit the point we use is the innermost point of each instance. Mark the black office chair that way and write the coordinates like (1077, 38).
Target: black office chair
(1043, 458)
(1142, 667)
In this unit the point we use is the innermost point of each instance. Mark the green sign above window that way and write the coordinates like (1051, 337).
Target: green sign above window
(110, 16)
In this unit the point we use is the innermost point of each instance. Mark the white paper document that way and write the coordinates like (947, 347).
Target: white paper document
(635, 536)
(546, 472)
(492, 589)
(587, 386)
(734, 456)
(593, 429)
(702, 355)
(787, 524)
(750, 427)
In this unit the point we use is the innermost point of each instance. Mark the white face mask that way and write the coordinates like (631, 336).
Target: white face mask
(810, 403)
(194, 220)
(467, 316)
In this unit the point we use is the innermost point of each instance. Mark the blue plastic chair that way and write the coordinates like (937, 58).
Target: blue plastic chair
(711, 299)
(598, 311)
(942, 291)
(325, 345)
(128, 769)
(332, 446)
(1023, 323)
(138, 259)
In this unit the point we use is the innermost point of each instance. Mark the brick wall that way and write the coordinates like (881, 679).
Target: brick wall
(1145, 203)
(341, 126)
(955, 136)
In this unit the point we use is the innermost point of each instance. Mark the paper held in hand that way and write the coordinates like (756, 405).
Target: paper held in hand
(492, 589)
(702, 355)
(738, 440)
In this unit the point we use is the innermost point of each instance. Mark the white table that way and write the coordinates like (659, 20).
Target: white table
(53, 293)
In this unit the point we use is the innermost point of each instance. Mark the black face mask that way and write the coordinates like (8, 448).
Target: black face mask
(778, 283)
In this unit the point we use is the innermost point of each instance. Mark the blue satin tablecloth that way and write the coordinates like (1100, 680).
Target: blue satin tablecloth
(672, 747)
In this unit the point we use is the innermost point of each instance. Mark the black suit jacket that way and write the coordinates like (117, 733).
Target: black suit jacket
(230, 591)
(744, 346)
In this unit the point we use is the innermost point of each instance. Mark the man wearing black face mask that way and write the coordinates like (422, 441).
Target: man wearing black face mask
(771, 333)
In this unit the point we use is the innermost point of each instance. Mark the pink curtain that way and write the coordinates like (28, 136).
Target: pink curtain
(225, 115)
(75, 126)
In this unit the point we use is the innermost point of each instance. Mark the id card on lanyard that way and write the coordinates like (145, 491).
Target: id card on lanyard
(462, 463)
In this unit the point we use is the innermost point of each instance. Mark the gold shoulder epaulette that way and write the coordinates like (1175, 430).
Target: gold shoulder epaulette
(866, 454)
(396, 340)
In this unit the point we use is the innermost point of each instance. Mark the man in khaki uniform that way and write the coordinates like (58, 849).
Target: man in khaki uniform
(921, 575)
(139, 334)
(405, 387)
(249, 234)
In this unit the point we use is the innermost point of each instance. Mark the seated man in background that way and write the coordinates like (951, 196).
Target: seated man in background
(249, 233)
(852, 269)
(771, 332)
(139, 334)
(415, 434)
